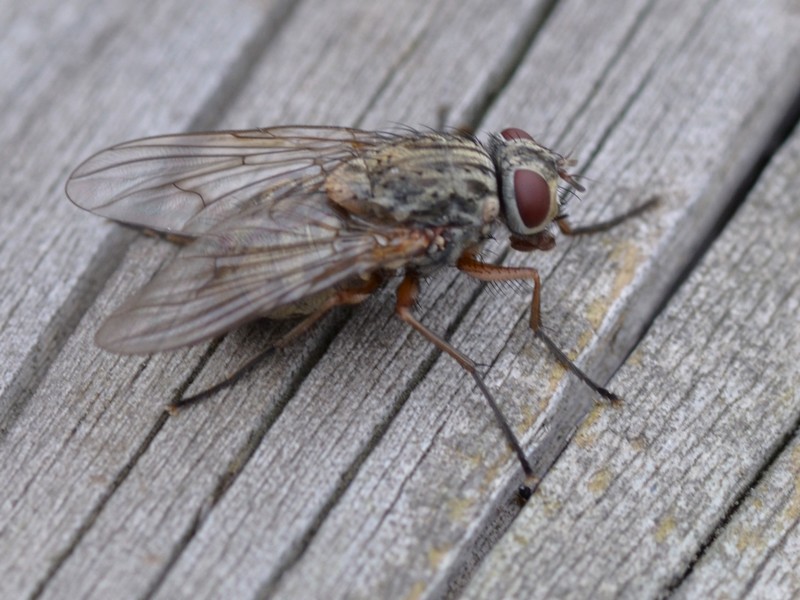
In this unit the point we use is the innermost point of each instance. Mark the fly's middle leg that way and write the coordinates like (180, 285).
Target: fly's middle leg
(407, 293)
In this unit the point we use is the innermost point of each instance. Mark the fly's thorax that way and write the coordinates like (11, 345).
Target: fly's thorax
(528, 176)
(427, 180)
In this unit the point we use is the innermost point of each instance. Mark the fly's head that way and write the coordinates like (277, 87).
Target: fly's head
(528, 176)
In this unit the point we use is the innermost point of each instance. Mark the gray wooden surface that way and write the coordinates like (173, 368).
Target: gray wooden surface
(358, 462)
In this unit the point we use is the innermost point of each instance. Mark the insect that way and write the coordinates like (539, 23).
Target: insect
(295, 221)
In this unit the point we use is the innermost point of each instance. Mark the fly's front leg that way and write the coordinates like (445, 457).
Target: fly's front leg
(567, 229)
(486, 272)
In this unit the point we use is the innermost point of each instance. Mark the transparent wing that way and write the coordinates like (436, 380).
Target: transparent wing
(250, 266)
(187, 184)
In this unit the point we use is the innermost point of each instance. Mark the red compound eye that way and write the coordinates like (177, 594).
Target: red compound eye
(533, 197)
(513, 133)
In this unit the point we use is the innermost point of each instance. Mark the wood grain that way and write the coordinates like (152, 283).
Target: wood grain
(358, 462)
(713, 399)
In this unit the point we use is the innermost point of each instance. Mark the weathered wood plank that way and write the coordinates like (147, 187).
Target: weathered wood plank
(76, 76)
(79, 75)
(757, 553)
(439, 473)
(337, 471)
(91, 440)
(712, 395)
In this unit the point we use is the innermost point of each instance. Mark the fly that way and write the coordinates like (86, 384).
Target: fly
(296, 221)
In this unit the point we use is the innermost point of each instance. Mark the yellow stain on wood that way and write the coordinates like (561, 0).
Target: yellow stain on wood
(531, 412)
(628, 256)
(749, 539)
(520, 539)
(549, 505)
(436, 555)
(416, 591)
(586, 436)
(665, 527)
(556, 375)
(635, 358)
(600, 481)
(460, 509)
(792, 510)
(584, 340)
(544, 403)
(639, 443)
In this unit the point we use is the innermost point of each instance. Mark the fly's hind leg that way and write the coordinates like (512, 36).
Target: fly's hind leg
(346, 297)
(486, 272)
